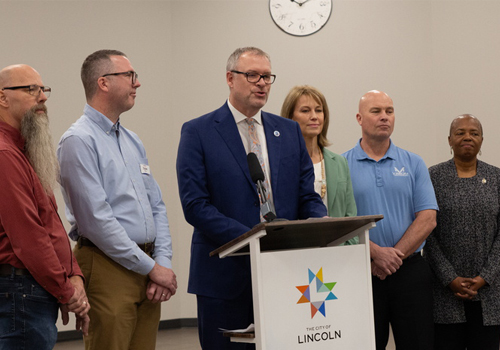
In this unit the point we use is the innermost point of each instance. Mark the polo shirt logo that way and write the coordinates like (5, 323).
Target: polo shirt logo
(401, 172)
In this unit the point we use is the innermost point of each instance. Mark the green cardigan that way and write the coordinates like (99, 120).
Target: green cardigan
(339, 188)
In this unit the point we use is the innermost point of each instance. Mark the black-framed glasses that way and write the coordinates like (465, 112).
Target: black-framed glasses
(130, 73)
(255, 78)
(33, 90)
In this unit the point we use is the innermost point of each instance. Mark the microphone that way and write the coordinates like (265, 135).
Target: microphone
(266, 207)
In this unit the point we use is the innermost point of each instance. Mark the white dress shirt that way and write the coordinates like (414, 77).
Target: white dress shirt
(239, 118)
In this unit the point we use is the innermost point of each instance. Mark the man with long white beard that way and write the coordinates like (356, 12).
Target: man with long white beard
(38, 272)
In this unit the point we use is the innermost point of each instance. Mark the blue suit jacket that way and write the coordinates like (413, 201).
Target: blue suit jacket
(220, 200)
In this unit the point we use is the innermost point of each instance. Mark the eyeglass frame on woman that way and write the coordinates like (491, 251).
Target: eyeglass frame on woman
(271, 77)
(31, 89)
(133, 75)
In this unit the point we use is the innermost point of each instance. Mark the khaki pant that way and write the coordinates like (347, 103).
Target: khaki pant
(121, 316)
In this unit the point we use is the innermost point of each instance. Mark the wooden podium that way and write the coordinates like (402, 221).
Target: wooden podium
(309, 292)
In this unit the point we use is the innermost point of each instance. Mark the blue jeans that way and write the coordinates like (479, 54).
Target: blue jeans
(28, 314)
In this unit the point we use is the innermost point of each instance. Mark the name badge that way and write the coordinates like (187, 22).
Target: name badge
(145, 169)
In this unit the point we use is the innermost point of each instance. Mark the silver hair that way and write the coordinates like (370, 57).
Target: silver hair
(232, 61)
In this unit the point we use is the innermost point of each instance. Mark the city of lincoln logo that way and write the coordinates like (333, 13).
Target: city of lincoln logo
(321, 293)
(401, 172)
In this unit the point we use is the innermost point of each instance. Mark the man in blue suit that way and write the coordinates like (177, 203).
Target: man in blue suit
(220, 200)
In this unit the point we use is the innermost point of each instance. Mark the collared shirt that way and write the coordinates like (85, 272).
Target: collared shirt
(242, 125)
(31, 233)
(110, 193)
(397, 186)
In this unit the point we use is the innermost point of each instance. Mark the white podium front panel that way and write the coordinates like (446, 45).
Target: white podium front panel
(317, 299)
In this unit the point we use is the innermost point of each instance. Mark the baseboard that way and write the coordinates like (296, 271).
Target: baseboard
(178, 323)
(166, 324)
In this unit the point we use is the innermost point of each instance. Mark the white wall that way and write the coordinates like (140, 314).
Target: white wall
(437, 59)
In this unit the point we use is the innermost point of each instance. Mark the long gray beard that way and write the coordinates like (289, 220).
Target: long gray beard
(39, 147)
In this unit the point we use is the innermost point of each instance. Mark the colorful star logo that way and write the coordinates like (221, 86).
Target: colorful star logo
(321, 287)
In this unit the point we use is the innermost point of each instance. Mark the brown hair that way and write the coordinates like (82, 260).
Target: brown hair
(94, 66)
(291, 101)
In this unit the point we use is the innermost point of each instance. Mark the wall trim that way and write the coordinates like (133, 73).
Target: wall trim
(166, 324)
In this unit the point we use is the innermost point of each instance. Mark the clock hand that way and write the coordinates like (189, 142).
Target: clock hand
(299, 3)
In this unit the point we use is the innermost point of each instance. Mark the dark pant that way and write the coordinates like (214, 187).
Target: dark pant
(227, 314)
(404, 300)
(471, 335)
(28, 314)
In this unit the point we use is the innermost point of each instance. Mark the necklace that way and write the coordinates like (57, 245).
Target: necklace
(323, 177)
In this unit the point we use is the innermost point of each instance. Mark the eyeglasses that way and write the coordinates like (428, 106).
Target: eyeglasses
(255, 78)
(33, 90)
(130, 73)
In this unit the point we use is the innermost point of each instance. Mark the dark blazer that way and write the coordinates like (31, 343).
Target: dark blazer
(220, 200)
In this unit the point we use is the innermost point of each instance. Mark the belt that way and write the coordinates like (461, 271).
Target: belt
(414, 255)
(7, 270)
(147, 248)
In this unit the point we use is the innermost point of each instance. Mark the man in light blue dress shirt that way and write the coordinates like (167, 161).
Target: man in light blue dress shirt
(116, 211)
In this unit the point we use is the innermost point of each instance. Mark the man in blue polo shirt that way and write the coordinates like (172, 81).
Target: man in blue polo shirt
(391, 181)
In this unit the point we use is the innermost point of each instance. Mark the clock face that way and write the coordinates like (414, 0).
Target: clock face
(300, 17)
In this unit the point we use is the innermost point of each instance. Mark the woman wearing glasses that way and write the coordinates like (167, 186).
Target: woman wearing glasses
(307, 106)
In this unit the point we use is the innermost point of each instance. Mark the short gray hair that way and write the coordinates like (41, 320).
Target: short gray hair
(94, 66)
(467, 115)
(232, 61)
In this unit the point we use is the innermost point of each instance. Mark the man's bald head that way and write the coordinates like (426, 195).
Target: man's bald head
(370, 96)
(17, 74)
(376, 116)
(14, 103)
(27, 112)
(5, 75)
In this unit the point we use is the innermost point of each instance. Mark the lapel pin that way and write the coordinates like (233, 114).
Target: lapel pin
(276, 133)
(484, 181)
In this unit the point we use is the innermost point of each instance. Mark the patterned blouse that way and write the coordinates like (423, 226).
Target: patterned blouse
(466, 241)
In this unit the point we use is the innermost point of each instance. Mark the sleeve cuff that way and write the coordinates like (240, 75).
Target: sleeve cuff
(164, 261)
(145, 266)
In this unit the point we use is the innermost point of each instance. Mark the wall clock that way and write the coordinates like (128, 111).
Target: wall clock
(300, 17)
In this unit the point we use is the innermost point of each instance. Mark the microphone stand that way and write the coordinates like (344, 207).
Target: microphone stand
(266, 207)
